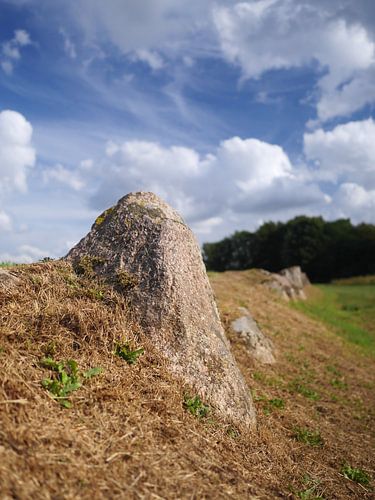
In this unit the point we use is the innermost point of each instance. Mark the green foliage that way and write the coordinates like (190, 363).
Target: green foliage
(268, 404)
(195, 406)
(298, 386)
(307, 436)
(65, 379)
(324, 250)
(356, 475)
(126, 352)
(311, 489)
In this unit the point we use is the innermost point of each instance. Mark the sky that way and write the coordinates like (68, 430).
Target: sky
(236, 113)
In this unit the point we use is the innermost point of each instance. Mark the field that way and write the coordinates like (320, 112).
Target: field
(348, 307)
(129, 430)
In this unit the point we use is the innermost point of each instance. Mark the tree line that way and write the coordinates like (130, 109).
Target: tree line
(324, 250)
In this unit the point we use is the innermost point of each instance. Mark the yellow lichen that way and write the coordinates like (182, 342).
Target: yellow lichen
(102, 217)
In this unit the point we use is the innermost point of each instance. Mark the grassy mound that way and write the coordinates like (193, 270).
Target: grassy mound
(130, 430)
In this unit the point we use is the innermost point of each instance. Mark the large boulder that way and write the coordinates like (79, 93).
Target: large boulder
(144, 248)
(289, 282)
(294, 275)
(258, 345)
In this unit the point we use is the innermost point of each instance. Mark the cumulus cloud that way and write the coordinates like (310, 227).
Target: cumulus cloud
(17, 154)
(355, 200)
(302, 34)
(243, 176)
(344, 154)
(11, 50)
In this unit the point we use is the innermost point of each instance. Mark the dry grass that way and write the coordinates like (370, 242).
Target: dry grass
(128, 434)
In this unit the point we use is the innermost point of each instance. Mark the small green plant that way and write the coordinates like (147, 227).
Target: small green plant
(306, 436)
(339, 383)
(277, 403)
(125, 352)
(298, 386)
(310, 491)
(66, 378)
(195, 406)
(356, 475)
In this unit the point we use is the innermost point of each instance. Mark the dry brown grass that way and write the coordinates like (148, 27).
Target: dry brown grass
(128, 435)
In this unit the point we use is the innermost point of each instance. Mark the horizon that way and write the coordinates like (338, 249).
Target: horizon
(196, 103)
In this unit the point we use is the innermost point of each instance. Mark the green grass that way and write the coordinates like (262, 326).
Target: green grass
(195, 406)
(6, 264)
(348, 309)
(354, 474)
(66, 378)
(128, 354)
(307, 436)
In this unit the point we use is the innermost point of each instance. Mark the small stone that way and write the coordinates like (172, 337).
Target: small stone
(7, 279)
(259, 346)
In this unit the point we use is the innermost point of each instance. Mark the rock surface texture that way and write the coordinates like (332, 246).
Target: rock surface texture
(7, 279)
(143, 247)
(259, 346)
(289, 283)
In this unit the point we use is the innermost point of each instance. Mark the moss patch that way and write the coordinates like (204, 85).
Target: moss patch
(87, 265)
(125, 280)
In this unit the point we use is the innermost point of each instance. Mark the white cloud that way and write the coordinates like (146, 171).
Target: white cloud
(133, 25)
(272, 34)
(241, 176)
(16, 152)
(61, 175)
(152, 58)
(11, 50)
(69, 46)
(25, 254)
(355, 200)
(22, 38)
(344, 154)
(7, 67)
(5, 222)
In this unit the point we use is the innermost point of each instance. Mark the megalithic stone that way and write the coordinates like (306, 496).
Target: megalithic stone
(143, 247)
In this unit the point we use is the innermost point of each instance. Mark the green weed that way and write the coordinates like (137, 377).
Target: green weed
(307, 436)
(66, 378)
(311, 491)
(297, 386)
(195, 406)
(125, 352)
(339, 383)
(356, 475)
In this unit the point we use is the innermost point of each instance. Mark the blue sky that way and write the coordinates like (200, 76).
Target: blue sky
(235, 112)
